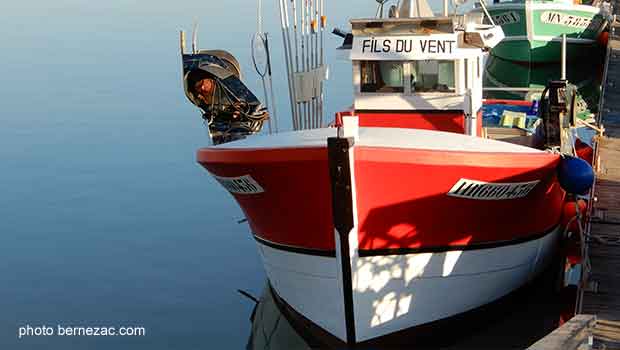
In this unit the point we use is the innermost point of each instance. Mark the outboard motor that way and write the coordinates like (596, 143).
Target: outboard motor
(212, 83)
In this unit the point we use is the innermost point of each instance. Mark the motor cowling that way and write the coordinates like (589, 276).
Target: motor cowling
(212, 81)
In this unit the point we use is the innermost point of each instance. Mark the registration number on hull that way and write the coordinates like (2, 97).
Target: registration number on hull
(552, 17)
(506, 18)
(479, 190)
(241, 185)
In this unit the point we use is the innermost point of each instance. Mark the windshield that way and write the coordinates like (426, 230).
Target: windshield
(385, 76)
(415, 76)
(429, 76)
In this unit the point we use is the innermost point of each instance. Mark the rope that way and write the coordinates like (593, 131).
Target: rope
(600, 130)
(587, 267)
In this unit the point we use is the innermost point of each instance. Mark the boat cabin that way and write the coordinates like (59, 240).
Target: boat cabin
(422, 73)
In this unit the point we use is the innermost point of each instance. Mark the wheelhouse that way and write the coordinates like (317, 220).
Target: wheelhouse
(423, 73)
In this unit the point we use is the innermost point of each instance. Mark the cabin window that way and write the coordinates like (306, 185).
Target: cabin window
(382, 76)
(432, 76)
(398, 76)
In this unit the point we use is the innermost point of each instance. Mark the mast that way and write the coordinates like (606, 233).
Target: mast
(288, 59)
(416, 8)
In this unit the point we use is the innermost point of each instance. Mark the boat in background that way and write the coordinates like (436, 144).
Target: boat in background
(534, 28)
(505, 79)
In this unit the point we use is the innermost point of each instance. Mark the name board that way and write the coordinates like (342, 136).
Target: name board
(405, 47)
(564, 19)
(479, 190)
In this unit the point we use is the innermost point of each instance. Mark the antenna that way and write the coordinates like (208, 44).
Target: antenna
(379, 13)
(484, 8)
(262, 64)
(182, 48)
(182, 41)
(195, 38)
(260, 16)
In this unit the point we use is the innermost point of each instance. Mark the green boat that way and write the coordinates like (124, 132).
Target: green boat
(534, 28)
(503, 75)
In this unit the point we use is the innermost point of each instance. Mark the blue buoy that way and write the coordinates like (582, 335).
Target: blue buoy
(576, 176)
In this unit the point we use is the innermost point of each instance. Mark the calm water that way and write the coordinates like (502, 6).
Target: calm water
(105, 218)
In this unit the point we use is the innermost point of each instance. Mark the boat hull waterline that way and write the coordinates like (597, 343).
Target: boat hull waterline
(441, 223)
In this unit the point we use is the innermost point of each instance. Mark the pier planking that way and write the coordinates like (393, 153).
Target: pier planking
(603, 297)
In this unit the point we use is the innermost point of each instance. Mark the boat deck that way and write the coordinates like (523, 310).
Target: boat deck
(602, 298)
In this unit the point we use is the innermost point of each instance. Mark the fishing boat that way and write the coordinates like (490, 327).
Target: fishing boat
(534, 28)
(406, 210)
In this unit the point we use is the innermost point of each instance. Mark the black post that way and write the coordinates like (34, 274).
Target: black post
(342, 212)
(556, 106)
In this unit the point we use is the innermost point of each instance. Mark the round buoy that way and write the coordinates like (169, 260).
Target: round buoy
(570, 211)
(575, 175)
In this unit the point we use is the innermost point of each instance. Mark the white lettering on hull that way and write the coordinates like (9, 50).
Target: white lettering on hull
(564, 19)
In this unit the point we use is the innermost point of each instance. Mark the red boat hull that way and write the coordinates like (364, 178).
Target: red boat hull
(402, 196)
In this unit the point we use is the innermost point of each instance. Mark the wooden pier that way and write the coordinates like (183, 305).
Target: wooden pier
(602, 297)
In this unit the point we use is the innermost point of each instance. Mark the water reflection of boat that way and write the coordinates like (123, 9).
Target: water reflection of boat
(533, 28)
(272, 330)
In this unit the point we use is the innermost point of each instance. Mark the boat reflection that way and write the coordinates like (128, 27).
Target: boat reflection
(271, 329)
